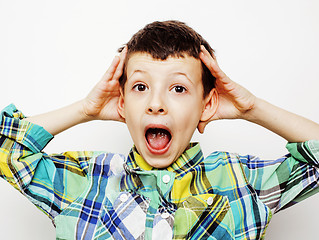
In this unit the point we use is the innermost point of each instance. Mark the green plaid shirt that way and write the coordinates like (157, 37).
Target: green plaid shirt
(99, 195)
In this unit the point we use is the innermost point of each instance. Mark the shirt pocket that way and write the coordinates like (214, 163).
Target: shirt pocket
(204, 216)
(86, 219)
(123, 219)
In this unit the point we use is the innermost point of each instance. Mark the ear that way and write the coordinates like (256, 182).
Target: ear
(210, 105)
(120, 104)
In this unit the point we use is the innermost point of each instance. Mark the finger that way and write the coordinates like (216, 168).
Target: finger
(211, 63)
(108, 75)
(119, 70)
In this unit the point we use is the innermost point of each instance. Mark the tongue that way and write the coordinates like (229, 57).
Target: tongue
(157, 138)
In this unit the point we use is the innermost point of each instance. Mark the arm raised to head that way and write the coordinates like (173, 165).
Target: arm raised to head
(236, 102)
(100, 104)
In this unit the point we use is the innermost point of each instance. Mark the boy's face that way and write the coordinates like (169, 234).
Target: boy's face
(162, 105)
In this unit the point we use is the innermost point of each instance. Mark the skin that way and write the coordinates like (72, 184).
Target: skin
(164, 94)
(105, 102)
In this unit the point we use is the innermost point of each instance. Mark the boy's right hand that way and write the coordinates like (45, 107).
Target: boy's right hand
(101, 103)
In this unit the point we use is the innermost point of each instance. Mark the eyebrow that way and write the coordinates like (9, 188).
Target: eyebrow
(182, 74)
(136, 71)
(172, 74)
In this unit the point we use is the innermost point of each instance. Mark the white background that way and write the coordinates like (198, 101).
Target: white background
(53, 52)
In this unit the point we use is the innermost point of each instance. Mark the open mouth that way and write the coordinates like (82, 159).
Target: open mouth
(158, 140)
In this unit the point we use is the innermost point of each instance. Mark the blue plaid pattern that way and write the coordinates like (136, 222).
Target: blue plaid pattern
(98, 195)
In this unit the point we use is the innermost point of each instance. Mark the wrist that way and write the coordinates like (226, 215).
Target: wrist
(255, 113)
(84, 114)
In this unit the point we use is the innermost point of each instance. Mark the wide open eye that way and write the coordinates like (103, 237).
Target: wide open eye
(179, 89)
(140, 87)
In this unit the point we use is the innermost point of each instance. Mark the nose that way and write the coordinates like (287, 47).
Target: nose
(156, 104)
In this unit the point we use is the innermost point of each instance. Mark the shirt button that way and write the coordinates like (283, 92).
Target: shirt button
(123, 197)
(166, 178)
(210, 201)
(165, 215)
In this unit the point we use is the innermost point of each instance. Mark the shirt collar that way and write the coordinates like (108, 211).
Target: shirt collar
(191, 157)
(140, 176)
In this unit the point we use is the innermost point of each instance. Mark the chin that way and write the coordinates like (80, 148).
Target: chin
(159, 162)
(160, 165)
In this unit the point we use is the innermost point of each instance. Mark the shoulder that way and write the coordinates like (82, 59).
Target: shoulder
(221, 157)
(225, 170)
(223, 164)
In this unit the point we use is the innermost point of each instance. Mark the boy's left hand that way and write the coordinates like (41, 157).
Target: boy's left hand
(235, 101)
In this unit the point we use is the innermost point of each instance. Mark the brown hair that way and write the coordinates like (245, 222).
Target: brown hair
(170, 39)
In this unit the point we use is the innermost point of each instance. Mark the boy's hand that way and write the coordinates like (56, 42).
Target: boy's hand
(101, 103)
(234, 100)
(237, 102)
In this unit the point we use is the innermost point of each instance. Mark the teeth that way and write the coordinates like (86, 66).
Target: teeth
(158, 138)
(162, 134)
(153, 132)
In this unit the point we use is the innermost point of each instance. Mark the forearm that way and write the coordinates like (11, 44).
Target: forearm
(290, 126)
(61, 119)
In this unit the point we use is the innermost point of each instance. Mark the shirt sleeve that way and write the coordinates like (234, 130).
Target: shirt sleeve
(288, 180)
(51, 182)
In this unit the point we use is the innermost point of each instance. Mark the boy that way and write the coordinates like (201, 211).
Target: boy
(163, 87)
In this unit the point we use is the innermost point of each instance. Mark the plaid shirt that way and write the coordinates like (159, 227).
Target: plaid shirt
(98, 195)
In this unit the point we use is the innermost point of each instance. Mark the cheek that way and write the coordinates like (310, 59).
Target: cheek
(133, 106)
(188, 119)
(189, 109)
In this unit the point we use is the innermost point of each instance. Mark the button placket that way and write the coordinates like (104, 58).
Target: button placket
(166, 179)
(210, 201)
(123, 197)
(165, 215)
